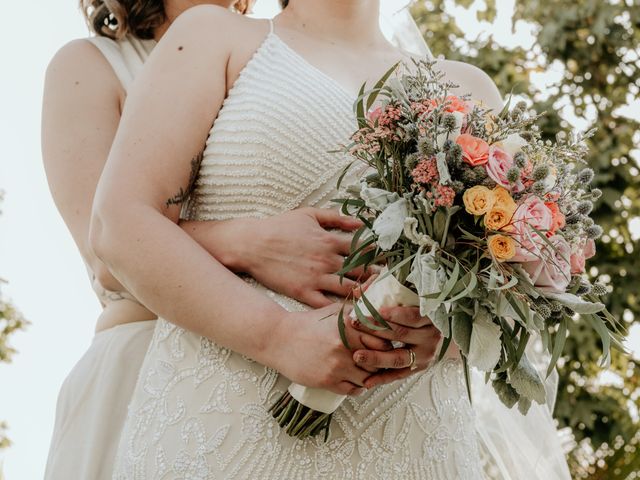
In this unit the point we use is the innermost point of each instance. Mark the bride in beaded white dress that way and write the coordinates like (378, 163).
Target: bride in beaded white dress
(200, 410)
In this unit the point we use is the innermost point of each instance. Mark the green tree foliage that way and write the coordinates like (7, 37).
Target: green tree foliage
(595, 43)
(10, 321)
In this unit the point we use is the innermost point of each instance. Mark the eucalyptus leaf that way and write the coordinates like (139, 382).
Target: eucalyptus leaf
(461, 326)
(575, 303)
(485, 345)
(428, 277)
(377, 198)
(524, 378)
(390, 223)
(506, 393)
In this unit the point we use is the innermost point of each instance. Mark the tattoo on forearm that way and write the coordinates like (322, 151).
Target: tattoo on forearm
(182, 195)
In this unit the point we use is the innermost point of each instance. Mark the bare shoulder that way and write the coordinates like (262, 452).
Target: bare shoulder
(210, 25)
(209, 40)
(472, 80)
(80, 64)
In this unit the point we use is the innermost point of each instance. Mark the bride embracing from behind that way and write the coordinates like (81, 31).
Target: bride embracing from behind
(225, 348)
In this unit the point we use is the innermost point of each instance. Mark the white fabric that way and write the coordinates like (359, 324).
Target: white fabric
(200, 410)
(401, 29)
(93, 400)
(92, 404)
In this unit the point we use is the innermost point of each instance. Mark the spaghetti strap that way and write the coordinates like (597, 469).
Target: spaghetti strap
(271, 28)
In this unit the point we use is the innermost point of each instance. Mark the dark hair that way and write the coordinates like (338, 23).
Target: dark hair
(116, 18)
(284, 3)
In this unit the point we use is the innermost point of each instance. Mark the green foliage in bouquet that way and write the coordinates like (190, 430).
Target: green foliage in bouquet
(479, 216)
(595, 45)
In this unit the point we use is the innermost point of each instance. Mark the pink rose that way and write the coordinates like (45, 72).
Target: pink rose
(551, 270)
(532, 212)
(579, 257)
(498, 164)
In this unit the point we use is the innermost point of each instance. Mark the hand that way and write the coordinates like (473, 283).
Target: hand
(408, 327)
(293, 254)
(311, 352)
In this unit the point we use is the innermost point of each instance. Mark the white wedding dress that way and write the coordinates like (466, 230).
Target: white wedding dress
(200, 411)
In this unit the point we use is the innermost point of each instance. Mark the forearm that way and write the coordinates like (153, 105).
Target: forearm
(225, 240)
(179, 280)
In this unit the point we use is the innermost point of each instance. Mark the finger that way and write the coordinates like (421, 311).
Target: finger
(397, 358)
(330, 218)
(364, 341)
(334, 284)
(361, 274)
(348, 388)
(371, 342)
(407, 316)
(315, 299)
(399, 333)
(388, 376)
(426, 335)
(357, 292)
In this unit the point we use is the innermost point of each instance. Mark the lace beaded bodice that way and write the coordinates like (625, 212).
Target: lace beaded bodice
(200, 411)
(268, 151)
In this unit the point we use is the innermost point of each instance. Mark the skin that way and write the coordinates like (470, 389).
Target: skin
(135, 233)
(83, 101)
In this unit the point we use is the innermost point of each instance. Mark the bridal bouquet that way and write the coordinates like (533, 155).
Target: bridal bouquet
(479, 222)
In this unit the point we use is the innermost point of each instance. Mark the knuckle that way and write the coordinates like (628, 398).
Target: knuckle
(401, 332)
(399, 361)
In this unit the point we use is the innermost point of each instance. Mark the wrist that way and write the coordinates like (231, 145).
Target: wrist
(277, 343)
(236, 243)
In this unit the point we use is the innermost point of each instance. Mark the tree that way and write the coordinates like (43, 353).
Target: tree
(10, 321)
(596, 45)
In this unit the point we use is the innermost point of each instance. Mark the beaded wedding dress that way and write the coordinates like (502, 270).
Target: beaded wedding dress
(200, 411)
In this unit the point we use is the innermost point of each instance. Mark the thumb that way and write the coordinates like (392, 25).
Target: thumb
(330, 218)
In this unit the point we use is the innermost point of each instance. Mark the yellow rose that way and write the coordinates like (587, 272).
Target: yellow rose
(502, 247)
(504, 199)
(497, 218)
(478, 200)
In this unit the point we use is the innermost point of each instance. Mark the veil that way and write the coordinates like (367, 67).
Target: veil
(513, 446)
(400, 28)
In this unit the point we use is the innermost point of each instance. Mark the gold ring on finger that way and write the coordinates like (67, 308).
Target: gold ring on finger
(412, 360)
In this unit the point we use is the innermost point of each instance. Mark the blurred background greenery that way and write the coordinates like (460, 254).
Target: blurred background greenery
(594, 46)
(10, 321)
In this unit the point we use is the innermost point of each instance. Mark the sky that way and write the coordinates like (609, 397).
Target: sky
(47, 279)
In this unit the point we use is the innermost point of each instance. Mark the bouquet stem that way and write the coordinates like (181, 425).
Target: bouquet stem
(299, 420)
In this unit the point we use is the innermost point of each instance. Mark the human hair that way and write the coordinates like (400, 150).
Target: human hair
(284, 3)
(116, 18)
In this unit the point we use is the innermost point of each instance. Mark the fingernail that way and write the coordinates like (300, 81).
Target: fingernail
(359, 358)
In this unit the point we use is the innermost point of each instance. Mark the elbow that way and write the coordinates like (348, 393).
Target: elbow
(101, 235)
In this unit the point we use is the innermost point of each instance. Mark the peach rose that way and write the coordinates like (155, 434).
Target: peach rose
(478, 200)
(499, 162)
(504, 199)
(453, 104)
(475, 151)
(579, 257)
(551, 269)
(558, 221)
(502, 247)
(497, 218)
